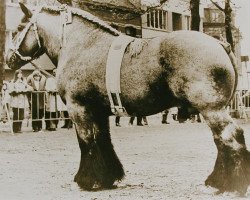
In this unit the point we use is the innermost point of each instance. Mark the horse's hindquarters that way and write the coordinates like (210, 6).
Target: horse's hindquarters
(203, 75)
(198, 69)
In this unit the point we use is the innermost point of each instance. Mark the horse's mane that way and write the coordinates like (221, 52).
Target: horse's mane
(85, 15)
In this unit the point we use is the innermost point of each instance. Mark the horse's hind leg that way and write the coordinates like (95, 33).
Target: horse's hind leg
(232, 167)
(99, 165)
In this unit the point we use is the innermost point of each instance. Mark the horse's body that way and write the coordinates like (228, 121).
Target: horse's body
(183, 68)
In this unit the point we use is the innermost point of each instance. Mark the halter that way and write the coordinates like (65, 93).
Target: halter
(15, 48)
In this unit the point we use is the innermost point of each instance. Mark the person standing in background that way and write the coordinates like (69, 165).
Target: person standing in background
(54, 103)
(139, 120)
(165, 116)
(19, 99)
(37, 81)
(117, 121)
(6, 98)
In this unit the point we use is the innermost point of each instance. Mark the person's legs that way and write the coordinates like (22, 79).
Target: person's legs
(52, 126)
(57, 116)
(40, 116)
(21, 117)
(15, 117)
(139, 121)
(164, 117)
(47, 120)
(35, 112)
(18, 114)
(117, 121)
(145, 120)
(131, 120)
(67, 122)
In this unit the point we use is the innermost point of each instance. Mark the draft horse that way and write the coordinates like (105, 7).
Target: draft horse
(182, 68)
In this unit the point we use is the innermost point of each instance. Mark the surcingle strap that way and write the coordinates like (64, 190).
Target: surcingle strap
(113, 74)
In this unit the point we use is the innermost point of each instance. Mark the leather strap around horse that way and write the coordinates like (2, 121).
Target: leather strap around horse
(113, 74)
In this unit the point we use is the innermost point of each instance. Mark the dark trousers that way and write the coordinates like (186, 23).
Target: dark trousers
(139, 120)
(67, 122)
(164, 116)
(117, 120)
(18, 114)
(37, 115)
(50, 120)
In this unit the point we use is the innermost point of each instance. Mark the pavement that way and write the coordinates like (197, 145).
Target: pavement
(161, 161)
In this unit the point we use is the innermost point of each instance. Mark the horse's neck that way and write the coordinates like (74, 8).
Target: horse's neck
(52, 34)
(49, 27)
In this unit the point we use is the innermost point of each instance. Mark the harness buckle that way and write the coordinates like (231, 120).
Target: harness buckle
(116, 105)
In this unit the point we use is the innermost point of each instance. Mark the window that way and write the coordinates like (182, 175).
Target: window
(157, 19)
(176, 17)
(152, 16)
(148, 19)
(131, 31)
(188, 22)
(215, 17)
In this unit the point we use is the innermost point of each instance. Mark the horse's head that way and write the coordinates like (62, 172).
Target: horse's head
(26, 45)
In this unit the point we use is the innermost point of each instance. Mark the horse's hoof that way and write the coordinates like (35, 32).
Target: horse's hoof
(231, 172)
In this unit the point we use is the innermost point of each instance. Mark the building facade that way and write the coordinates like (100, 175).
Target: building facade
(137, 18)
(171, 16)
(123, 15)
(141, 18)
(214, 25)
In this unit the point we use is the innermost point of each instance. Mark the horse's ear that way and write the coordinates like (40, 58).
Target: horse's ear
(25, 10)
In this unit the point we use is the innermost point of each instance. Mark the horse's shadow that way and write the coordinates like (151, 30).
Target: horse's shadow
(116, 186)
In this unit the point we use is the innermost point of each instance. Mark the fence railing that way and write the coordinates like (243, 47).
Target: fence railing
(240, 104)
(35, 106)
(48, 106)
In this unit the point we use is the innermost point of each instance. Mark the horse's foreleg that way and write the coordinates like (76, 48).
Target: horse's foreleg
(99, 166)
(232, 167)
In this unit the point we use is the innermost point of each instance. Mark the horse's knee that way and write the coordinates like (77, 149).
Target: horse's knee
(225, 131)
(233, 137)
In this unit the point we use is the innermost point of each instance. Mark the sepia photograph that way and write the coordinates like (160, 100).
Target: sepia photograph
(124, 99)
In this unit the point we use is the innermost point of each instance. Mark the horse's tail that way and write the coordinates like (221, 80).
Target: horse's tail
(232, 58)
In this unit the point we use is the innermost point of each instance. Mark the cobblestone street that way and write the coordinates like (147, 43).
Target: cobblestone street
(161, 162)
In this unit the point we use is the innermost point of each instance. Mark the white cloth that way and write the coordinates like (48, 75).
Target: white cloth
(36, 84)
(18, 92)
(54, 101)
